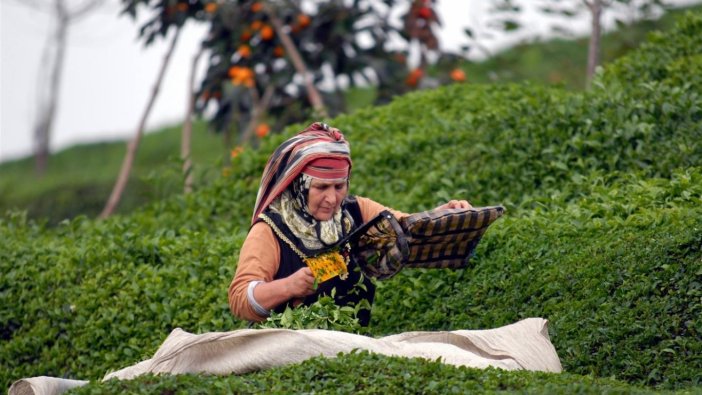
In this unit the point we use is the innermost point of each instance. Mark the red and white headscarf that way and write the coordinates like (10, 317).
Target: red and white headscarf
(319, 151)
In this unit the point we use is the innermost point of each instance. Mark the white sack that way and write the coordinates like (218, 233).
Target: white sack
(522, 345)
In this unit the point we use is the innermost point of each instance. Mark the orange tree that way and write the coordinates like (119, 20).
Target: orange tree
(253, 45)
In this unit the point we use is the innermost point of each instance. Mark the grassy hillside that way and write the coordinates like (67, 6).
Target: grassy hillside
(80, 179)
(602, 237)
(563, 61)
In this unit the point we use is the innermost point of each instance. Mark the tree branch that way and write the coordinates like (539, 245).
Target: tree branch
(129, 156)
(261, 105)
(185, 142)
(84, 9)
(297, 61)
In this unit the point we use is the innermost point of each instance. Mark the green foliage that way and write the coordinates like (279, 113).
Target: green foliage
(602, 238)
(656, 61)
(365, 373)
(79, 179)
(617, 273)
(253, 47)
(560, 61)
(323, 314)
(109, 292)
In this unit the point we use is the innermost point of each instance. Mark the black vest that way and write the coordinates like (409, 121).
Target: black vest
(346, 291)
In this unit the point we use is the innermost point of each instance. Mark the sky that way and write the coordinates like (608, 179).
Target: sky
(109, 74)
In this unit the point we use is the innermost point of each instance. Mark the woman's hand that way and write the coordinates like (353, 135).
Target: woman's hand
(300, 283)
(296, 286)
(455, 204)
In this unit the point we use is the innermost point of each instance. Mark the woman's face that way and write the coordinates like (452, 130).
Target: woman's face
(325, 198)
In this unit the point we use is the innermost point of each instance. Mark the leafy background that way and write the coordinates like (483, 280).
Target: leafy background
(80, 178)
(602, 237)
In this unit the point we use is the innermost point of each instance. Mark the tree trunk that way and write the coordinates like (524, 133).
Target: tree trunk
(260, 108)
(186, 138)
(227, 142)
(133, 144)
(47, 105)
(593, 53)
(298, 62)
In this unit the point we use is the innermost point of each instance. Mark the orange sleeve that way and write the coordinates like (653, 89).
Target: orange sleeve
(259, 259)
(370, 208)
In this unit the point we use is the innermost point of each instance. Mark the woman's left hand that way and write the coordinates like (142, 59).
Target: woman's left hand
(455, 204)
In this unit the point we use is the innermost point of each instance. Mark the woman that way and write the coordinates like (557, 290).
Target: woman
(302, 208)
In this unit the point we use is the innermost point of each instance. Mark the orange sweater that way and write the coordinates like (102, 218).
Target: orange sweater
(259, 259)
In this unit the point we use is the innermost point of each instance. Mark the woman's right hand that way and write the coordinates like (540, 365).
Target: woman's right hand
(301, 283)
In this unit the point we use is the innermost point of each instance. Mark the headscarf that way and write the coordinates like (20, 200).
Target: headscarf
(292, 207)
(285, 189)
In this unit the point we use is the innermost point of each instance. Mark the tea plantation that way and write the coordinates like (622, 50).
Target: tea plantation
(603, 237)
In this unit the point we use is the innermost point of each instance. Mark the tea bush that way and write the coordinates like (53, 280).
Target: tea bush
(371, 374)
(618, 273)
(602, 237)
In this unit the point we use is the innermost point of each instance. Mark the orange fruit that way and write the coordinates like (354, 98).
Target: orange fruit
(262, 130)
(458, 75)
(413, 78)
(267, 33)
(303, 20)
(256, 7)
(242, 76)
(236, 151)
(234, 71)
(255, 25)
(244, 51)
(245, 36)
(182, 7)
(211, 7)
(424, 13)
(278, 52)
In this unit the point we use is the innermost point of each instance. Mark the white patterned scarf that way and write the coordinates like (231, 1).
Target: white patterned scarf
(313, 234)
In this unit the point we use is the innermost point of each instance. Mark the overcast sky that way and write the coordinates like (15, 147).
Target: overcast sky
(109, 75)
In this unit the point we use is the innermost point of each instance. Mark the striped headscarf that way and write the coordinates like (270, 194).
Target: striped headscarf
(318, 140)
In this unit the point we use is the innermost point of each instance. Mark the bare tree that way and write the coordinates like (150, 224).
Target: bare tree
(187, 131)
(62, 15)
(133, 144)
(596, 8)
(573, 8)
(593, 49)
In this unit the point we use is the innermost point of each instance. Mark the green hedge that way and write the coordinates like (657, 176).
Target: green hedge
(602, 237)
(617, 273)
(370, 374)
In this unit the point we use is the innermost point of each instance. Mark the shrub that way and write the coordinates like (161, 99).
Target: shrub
(371, 373)
(602, 237)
